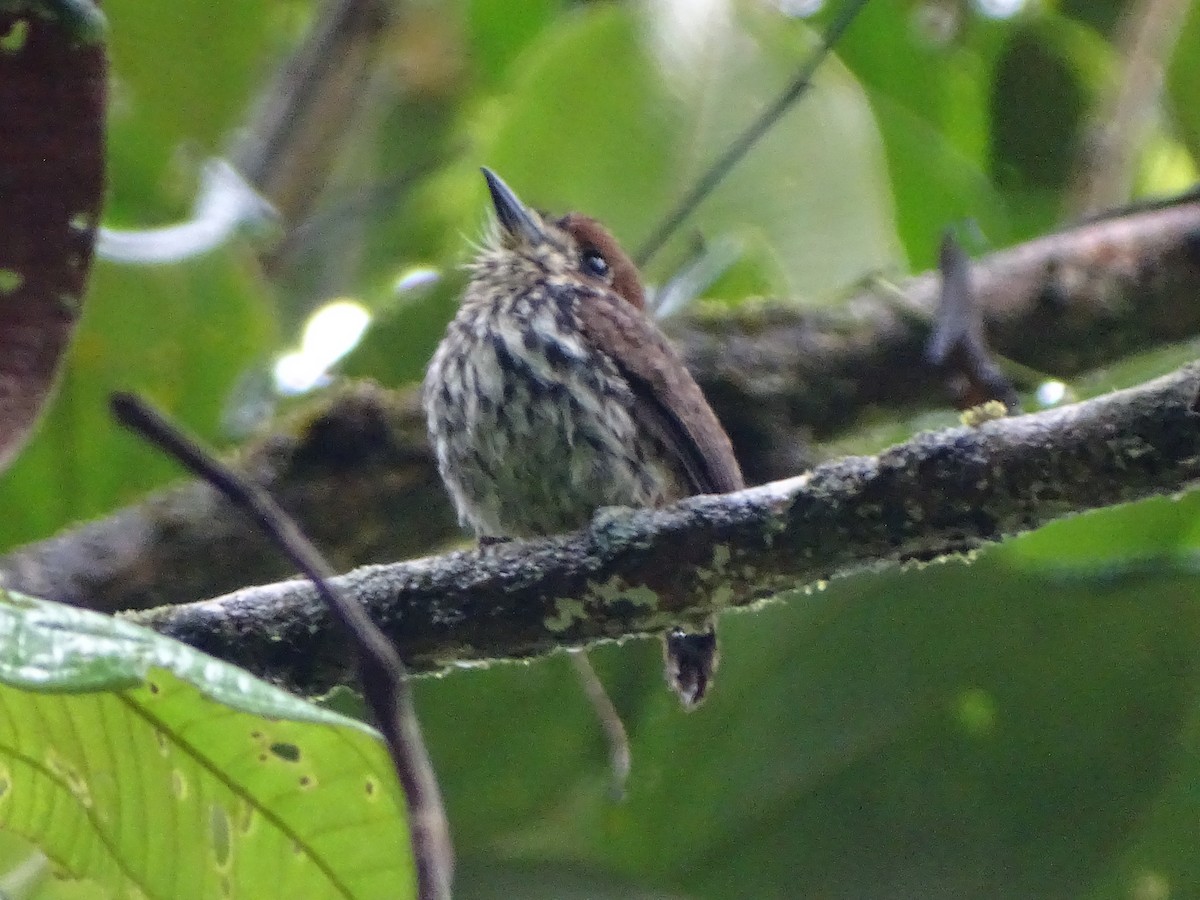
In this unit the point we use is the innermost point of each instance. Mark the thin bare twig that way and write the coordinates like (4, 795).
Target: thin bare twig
(1106, 164)
(381, 672)
(301, 119)
(619, 757)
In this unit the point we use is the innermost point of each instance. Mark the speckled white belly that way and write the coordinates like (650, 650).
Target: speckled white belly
(539, 432)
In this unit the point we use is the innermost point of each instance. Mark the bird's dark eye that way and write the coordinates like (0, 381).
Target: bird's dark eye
(594, 264)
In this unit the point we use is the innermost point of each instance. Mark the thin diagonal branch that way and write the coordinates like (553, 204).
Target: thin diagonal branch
(636, 572)
(744, 142)
(380, 672)
(303, 115)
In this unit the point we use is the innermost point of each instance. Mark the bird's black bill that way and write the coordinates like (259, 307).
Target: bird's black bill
(516, 219)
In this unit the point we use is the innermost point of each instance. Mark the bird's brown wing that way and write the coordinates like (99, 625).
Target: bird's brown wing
(668, 401)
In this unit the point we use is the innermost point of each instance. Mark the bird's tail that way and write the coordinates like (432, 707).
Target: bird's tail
(690, 659)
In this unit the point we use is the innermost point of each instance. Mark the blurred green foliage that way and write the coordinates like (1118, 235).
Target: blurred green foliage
(1022, 726)
(144, 766)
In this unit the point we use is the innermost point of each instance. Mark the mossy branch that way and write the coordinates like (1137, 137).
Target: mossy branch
(356, 472)
(636, 572)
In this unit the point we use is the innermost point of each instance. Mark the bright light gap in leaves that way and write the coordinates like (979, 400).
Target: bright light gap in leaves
(330, 333)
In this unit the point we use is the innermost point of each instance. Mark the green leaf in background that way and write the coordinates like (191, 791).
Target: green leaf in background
(986, 730)
(1046, 82)
(183, 334)
(499, 30)
(151, 769)
(184, 75)
(616, 115)
(1183, 81)
(1114, 538)
(931, 106)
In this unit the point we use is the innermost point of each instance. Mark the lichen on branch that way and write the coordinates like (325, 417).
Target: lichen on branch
(632, 572)
(355, 469)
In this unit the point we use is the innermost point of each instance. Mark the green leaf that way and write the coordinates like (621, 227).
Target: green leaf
(215, 54)
(1183, 81)
(138, 763)
(930, 100)
(183, 334)
(1156, 528)
(499, 30)
(617, 115)
(902, 729)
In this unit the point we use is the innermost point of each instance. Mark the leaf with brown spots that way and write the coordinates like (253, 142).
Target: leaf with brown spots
(52, 96)
(249, 790)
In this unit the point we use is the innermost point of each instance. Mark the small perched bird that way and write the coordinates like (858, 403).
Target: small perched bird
(553, 394)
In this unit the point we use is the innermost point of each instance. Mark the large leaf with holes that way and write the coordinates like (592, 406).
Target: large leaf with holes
(142, 765)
